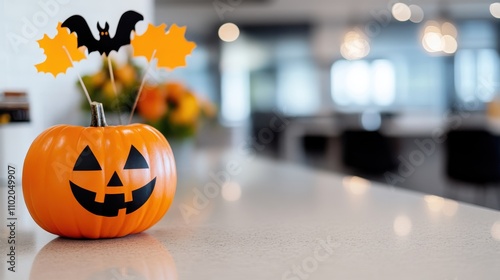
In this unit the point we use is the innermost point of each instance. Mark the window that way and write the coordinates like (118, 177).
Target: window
(297, 87)
(268, 68)
(476, 72)
(363, 83)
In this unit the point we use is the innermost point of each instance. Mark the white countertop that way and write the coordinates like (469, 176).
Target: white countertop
(288, 223)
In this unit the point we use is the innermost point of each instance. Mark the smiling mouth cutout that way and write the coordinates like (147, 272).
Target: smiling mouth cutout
(112, 202)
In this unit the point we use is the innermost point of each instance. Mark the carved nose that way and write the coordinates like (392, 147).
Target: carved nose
(115, 181)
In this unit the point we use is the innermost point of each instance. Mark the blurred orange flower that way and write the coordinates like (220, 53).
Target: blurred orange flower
(175, 91)
(100, 86)
(152, 105)
(173, 109)
(126, 74)
(187, 110)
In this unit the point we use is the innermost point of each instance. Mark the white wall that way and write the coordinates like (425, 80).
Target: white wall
(53, 100)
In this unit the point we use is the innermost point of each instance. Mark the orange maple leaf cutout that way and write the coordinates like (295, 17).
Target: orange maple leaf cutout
(170, 48)
(58, 51)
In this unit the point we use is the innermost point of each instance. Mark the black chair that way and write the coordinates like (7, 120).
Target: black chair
(368, 151)
(261, 121)
(473, 156)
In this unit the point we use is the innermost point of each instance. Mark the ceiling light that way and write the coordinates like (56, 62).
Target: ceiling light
(401, 12)
(449, 29)
(355, 45)
(432, 26)
(449, 43)
(495, 9)
(440, 38)
(432, 42)
(417, 14)
(229, 32)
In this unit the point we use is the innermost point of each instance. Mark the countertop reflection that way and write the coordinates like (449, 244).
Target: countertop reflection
(138, 257)
(237, 216)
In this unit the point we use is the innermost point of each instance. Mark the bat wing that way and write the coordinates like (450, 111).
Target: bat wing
(85, 38)
(125, 26)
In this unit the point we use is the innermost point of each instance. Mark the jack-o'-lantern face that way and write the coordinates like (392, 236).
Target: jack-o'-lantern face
(113, 202)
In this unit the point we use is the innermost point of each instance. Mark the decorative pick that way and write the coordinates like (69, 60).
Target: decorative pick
(61, 52)
(169, 48)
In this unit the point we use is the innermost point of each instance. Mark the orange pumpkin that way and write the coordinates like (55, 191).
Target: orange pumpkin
(99, 181)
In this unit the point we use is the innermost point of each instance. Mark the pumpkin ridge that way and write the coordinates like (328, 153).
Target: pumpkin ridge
(27, 192)
(51, 214)
(157, 212)
(142, 218)
(44, 174)
(170, 164)
(74, 226)
(124, 226)
(97, 220)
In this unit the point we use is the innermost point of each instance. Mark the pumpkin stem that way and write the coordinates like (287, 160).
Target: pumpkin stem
(98, 119)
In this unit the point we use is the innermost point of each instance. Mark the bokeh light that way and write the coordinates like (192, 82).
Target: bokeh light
(495, 10)
(440, 38)
(402, 225)
(356, 185)
(229, 32)
(495, 231)
(401, 12)
(355, 45)
(417, 14)
(441, 205)
(231, 191)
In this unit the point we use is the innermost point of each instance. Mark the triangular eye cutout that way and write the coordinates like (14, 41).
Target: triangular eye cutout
(135, 160)
(87, 161)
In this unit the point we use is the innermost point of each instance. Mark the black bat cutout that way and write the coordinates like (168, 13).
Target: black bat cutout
(105, 44)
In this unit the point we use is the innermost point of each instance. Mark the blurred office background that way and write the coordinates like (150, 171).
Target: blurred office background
(405, 93)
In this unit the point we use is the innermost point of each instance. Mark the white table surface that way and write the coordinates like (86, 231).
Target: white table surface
(290, 222)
